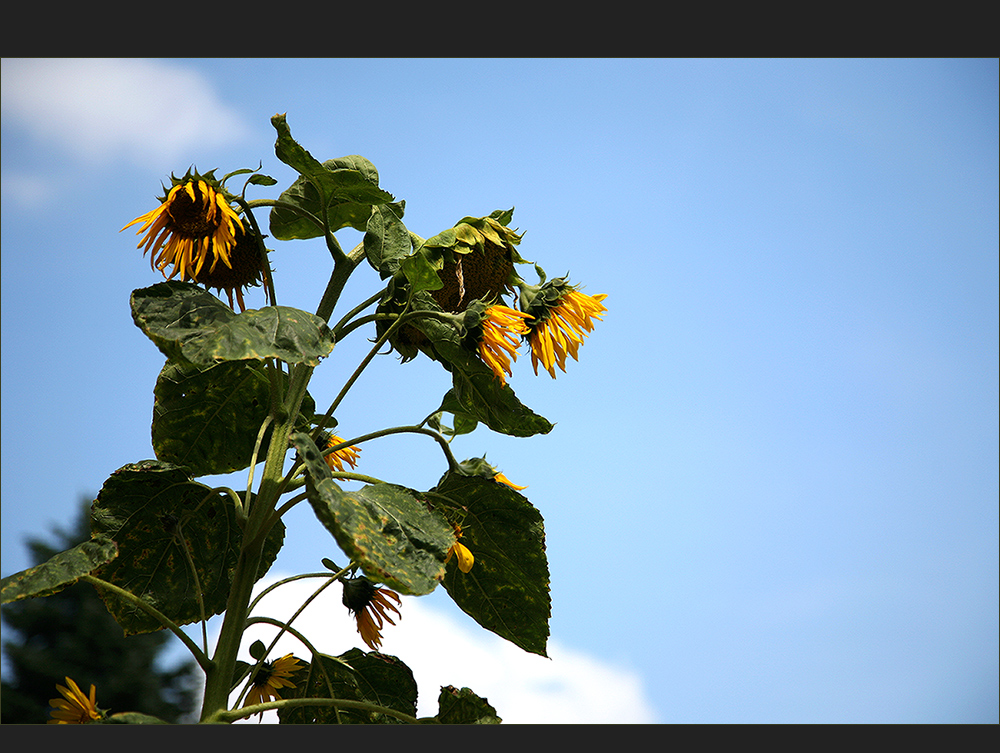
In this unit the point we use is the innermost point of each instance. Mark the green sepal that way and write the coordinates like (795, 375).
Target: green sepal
(462, 706)
(374, 678)
(208, 419)
(471, 234)
(385, 529)
(60, 571)
(149, 509)
(507, 590)
(187, 323)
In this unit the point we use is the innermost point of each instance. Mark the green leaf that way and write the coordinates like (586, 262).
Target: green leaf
(290, 152)
(422, 271)
(59, 572)
(151, 510)
(462, 424)
(208, 419)
(464, 707)
(373, 678)
(385, 529)
(187, 323)
(344, 190)
(507, 590)
(476, 392)
(387, 241)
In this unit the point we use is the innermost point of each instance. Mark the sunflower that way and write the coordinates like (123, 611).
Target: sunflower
(501, 479)
(561, 319)
(337, 459)
(74, 707)
(193, 230)
(474, 261)
(465, 558)
(502, 329)
(269, 678)
(369, 603)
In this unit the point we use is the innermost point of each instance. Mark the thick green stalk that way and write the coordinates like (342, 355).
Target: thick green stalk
(219, 676)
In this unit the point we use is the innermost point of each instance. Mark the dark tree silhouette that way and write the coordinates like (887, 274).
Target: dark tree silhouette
(72, 634)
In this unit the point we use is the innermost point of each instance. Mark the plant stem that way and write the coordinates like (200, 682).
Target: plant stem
(225, 717)
(203, 661)
(219, 678)
(219, 675)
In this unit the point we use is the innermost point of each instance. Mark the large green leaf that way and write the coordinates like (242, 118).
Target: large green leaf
(151, 510)
(62, 570)
(374, 678)
(507, 590)
(476, 392)
(188, 323)
(208, 419)
(386, 529)
(343, 189)
(387, 241)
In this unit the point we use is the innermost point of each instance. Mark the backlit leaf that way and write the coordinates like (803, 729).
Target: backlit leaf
(187, 323)
(151, 510)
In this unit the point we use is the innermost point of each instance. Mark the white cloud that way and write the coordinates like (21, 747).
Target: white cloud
(441, 649)
(146, 111)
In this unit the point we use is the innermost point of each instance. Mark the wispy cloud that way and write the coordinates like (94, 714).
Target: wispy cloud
(150, 113)
(444, 649)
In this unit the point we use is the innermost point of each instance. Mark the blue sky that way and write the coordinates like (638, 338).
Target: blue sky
(771, 492)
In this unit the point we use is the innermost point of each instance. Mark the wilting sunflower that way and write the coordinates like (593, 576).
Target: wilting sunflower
(337, 459)
(368, 603)
(197, 235)
(269, 678)
(74, 707)
(561, 319)
(501, 331)
(474, 261)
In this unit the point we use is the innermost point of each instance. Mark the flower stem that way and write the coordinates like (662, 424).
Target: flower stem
(203, 661)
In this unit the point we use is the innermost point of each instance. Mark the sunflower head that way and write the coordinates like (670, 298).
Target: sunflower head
(495, 332)
(195, 234)
(74, 707)
(474, 261)
(561, 317)
(337, 459)
(269, 678)
(369, 603)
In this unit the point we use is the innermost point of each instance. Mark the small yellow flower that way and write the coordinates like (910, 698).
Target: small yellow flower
(559, 329)
(500, 478)
(194, 229)
(502, 328)
(465, 558)
(74, 707)
(269, 678)
(337, 459)
(369, 603)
